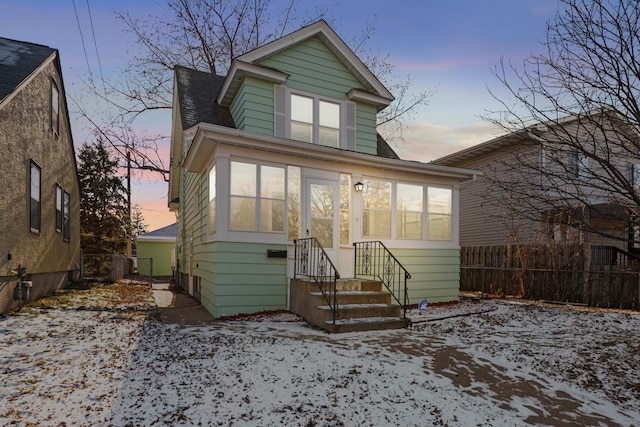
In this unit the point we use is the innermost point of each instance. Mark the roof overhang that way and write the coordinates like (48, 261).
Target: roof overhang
(208, 136)
(155, 239)
(370, 98)
(239, 71)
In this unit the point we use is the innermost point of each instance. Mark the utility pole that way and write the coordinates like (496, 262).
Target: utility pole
(129, 254)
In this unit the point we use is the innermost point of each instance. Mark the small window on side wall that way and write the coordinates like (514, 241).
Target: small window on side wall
(55, 109)
(34, 203)
(66, 228)
(58, 209)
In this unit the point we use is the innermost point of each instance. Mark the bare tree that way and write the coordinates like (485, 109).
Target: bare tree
(573, 120)
(207, 35)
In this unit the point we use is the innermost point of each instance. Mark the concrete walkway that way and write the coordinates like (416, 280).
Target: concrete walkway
(178, 308)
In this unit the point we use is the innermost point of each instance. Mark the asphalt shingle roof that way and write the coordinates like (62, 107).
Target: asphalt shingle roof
(168, 231)
(197, 93)
(17, 61)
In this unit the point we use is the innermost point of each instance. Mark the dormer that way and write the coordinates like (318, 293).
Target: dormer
(307, 86)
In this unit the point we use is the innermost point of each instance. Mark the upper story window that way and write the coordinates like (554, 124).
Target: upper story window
(633, 175)
(55, 108)
(315, 120)
(34, 204)
(578, 163)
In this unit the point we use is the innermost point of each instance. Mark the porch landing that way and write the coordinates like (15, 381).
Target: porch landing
(362, 306)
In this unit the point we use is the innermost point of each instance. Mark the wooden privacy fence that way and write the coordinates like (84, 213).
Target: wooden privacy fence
(552, 273)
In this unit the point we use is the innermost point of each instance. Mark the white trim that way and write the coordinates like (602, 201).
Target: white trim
(369, 98)
(316, 98)
(208, 136)
(153, 239)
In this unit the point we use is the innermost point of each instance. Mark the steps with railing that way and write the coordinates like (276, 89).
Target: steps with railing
(324, 300)
(374, 260)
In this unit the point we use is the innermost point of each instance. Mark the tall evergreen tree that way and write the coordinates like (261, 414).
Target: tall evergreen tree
(104, 214)
(138, 226)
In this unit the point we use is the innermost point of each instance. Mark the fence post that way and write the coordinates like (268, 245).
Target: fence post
(81, 266)
(587, 276)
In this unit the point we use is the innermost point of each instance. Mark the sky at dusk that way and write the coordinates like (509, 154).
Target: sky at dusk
(446, 46)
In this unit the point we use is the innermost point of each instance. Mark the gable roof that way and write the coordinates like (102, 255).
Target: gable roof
(18, 61)
(247, 64)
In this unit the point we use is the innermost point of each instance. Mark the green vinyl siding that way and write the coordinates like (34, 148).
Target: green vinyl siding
(314, 68)
(160, 254)
(435, 273)
(240, 278)
(366, 135)
(252, 107)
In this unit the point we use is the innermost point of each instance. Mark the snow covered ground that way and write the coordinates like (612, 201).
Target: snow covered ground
(102, 357)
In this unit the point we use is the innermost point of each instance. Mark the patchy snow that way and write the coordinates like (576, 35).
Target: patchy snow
(102, 357)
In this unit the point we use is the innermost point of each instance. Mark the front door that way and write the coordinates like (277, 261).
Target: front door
(322, 215)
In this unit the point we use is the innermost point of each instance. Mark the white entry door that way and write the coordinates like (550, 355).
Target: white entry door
(322, 215)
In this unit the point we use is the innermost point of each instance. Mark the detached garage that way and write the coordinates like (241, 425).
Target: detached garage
(154, 251)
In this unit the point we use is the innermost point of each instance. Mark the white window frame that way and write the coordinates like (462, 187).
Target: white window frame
(578, 163)
(428, 212)
(425, 211)
(258, 198)
(316, 115)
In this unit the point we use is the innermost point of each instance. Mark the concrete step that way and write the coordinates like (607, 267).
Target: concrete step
(355, 311)
(352, 297)
(366, 324)
(358, 285)
(362, 306)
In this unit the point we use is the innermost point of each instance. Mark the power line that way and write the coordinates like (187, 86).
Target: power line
(95, 44)
(83, 46)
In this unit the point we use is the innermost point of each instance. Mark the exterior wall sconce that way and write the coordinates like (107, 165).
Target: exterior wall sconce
(358, 186)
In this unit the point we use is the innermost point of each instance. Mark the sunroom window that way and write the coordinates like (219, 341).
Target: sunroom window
(439, 213)
(376, 209)
(257, 198)
(409, 211)
(212, 199)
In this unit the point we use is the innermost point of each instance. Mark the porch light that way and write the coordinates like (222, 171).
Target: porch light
(358, 186)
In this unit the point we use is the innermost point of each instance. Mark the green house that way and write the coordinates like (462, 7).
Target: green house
(285, 147)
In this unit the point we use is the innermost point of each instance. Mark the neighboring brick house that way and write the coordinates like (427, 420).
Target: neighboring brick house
(285, 147)
(39, 191)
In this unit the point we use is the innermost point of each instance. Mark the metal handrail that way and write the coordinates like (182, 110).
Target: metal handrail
(373, 259)
(311, 261)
